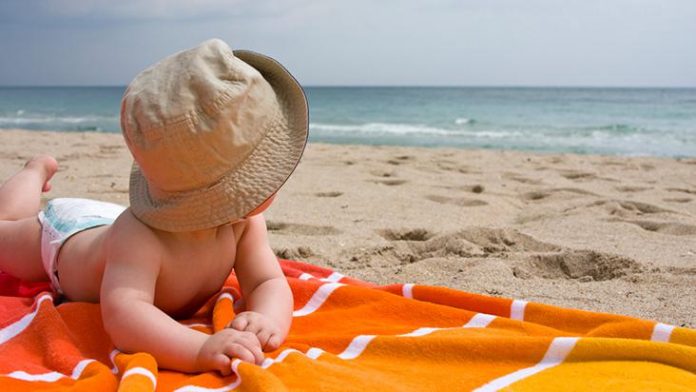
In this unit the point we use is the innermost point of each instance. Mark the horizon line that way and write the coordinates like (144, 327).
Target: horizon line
(386, 86)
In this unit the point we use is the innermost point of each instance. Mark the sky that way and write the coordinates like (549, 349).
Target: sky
(622, 43)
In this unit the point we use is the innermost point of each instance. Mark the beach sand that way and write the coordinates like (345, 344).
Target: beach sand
(603, 233)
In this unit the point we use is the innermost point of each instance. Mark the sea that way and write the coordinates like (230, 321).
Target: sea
(614, 121)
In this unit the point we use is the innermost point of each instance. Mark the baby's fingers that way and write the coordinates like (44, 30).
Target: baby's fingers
(273, 342)
(240, 323)
(222, 363)
(246, 354)
(263, 336)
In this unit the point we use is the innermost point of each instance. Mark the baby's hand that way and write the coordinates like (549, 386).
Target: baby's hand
(263, 327)
(220, 348)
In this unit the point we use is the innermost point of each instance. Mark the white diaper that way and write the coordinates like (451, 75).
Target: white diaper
(64, 217)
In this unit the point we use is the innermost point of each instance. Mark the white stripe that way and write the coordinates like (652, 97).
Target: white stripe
(360, 342)
(661, 332)
(305, 276)
(79, 368)
(270, 361)
(334, 277)
(112, 357)
(421, 332)
(556, 353)
(141, 371)
(517, 309)
(223, 296)
(356, 347)
(407, 290)
(50, 376)
(24, 376)
(317, 299)
(480, 320)
(314, 352)
(228, 387)
(267, 362)
(285, 353)
(17, 327)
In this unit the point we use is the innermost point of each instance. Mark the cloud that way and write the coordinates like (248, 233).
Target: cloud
(70, 11)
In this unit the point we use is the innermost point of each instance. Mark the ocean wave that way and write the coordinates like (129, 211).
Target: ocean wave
(400, 129)
(497, 134)
(464, 120)
(617, 127)
(382, 128)
(56, 120)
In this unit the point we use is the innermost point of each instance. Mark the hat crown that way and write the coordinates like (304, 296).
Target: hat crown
(194, 116)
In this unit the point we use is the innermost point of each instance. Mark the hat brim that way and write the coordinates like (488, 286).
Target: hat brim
(247, 186)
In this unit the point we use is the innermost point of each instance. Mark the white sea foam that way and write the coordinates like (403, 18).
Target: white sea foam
(382, 128)
(497, 134)
(463, 120)
(55, 120)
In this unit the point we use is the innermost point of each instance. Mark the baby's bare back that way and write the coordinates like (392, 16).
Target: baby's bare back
(81, 264)
(192, 266)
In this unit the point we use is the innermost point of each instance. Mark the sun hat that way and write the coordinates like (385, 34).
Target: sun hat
(213, 132)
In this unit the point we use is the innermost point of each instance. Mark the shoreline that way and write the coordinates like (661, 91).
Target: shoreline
(389, 145)
(598, 232)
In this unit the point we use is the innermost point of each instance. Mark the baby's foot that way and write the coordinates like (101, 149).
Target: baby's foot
(46, 165)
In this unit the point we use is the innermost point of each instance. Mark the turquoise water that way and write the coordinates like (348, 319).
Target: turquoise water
(584, 120)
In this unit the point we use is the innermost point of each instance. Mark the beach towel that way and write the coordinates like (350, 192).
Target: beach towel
(350, 335)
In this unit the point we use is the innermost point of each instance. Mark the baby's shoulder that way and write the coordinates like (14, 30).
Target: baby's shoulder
(252, 231)
(129, 235)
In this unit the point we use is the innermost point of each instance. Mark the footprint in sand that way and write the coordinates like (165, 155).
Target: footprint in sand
(678, 199)
(584, 265)
(687, 161)
(292, 228)
(631, 188)
(382, 173)
(300, 252)
(626, 208)
(110, 149)
(412, 245)
(478, 188)
(328, 194)
(406, 234)
(683, 190)
(671, 228)
(677, 270)
(457, 201)
(389, 182)
(401, 159)
(556, 193)
(610, 162)
(521, 179)
(578, 175)
(495, 241)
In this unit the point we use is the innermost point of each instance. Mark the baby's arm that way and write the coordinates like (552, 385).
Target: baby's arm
(266, 291)
(135, 324)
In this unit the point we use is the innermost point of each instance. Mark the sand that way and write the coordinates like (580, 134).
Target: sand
(602, 233)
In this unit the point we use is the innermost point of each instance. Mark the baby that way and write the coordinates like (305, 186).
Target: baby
(214, 134)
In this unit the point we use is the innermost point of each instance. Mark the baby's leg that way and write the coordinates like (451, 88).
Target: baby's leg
(20, 195)
(20, 230)
(20, 249)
